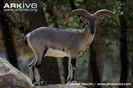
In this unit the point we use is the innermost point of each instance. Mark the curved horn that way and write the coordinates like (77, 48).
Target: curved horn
(105, 12)
(80, 12)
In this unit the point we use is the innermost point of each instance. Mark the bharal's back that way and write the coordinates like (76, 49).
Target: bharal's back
(57, 37)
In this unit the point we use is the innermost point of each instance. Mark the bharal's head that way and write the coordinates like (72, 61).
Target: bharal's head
(92, 19)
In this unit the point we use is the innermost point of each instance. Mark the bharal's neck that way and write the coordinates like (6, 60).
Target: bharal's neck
(88, 36)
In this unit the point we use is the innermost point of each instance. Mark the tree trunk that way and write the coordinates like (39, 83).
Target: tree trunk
(100, 51)
(7, 37)
(123, 46)
(94, 71)
(36, 19)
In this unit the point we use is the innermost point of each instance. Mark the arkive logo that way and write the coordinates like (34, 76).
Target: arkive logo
(20, 6)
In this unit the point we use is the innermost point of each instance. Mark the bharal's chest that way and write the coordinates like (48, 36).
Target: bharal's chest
(56, 53)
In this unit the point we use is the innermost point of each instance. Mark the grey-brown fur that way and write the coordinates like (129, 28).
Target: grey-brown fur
(70, 43)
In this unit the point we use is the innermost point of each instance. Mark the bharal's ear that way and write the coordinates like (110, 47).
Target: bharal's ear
(84, 20)
(99, 20)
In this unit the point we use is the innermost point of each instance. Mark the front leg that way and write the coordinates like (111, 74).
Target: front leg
(71, 69)
(31, 73)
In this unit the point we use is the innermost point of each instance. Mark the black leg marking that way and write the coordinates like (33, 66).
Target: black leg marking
(37, 66)
(33, 69)
(41, 56)
(45, 50)
(73, 62)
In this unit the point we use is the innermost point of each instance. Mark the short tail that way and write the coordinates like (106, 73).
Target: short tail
(26, 38)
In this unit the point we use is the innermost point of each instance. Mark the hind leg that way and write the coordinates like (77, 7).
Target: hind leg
(37, 65)
(31, 69)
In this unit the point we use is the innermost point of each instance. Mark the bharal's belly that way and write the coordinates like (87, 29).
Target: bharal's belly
(56, 53)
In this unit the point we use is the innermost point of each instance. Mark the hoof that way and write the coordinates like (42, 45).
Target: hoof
(41, 83)
(36, 84)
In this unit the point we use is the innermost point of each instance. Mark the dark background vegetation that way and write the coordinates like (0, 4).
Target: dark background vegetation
(110, 58)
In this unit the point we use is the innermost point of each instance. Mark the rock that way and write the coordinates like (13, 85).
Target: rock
(10, 77)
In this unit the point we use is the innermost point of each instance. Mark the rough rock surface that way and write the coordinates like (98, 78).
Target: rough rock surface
(10, 77)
